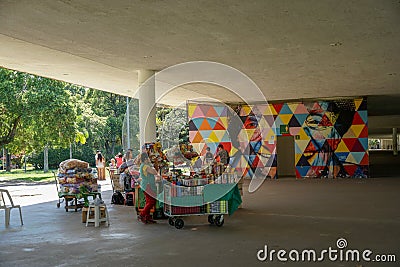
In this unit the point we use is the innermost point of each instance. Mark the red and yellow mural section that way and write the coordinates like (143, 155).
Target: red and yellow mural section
(331, 137)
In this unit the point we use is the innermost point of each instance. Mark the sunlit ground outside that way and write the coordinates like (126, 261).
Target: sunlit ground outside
(34, 187)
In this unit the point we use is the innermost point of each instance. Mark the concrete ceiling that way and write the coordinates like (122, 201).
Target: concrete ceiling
(290, 49)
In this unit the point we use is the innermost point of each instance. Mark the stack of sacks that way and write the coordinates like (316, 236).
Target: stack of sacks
(75, 176)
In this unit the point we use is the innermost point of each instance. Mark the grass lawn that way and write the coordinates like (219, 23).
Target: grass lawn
(29, 176)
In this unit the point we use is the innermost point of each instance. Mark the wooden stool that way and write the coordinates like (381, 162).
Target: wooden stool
(97, 216)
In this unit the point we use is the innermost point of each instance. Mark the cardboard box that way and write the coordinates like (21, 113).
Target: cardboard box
(91, 214)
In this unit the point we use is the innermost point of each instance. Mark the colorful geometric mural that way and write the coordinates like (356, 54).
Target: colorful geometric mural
(331, 137)
(255, 142)
(335, 143)
(208, 124)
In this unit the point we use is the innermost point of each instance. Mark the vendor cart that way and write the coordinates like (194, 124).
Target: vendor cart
(75, 181)
(214, 200)
(74, 201)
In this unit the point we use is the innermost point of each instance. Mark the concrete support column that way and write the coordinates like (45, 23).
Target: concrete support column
(394, 138)
(147, 108)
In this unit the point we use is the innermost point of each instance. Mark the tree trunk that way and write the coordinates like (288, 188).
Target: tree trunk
(25, 163)
(107, 146)
(70, 150)
(4, 140)
(46, 159)
(113, 148)
(8, 161)
(3, 159)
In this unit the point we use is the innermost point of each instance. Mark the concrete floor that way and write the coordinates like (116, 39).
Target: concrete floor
(283, 214)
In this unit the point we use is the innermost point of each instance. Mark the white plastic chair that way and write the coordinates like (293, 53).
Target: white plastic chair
(8, 207)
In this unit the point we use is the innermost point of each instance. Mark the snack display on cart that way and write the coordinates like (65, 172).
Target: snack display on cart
(185, 191)
(75, 180)
(75, 176)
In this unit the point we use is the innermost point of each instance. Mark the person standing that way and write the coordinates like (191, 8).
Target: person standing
(137, 160)
(128, 155)
(222, 154)
(208, 157)
(100, 165)
(118, 159)
(113, 167)
(148, 176)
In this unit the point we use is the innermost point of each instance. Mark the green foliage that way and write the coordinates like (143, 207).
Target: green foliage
(34, 111)
(106, 115)
(172, 126)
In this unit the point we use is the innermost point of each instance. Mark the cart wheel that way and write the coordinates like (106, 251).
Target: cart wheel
(179, 223)
(171, 221)
(211, 219)
(219, 220)
(58, 205)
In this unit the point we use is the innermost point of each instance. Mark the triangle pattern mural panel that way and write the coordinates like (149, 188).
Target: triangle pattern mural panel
(335, 138)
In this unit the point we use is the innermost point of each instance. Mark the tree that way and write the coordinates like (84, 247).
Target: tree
(172, 127)
(107, 115)
(34, 112)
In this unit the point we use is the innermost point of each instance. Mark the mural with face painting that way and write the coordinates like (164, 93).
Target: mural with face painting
(331, 137)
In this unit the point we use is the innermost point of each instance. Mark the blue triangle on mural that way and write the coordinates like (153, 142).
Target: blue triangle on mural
(285, 110)
(319, 143)
(342, 156)
(219, 110)
(301, 118)
(256, 146)
(205, 133)
(197, 122)
(358, 156)
(303, 170)
(251, 159)
(212, 122)
(364, 142)
(364, 115)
